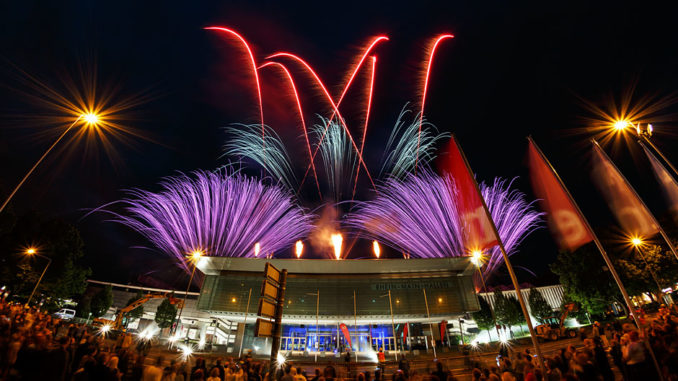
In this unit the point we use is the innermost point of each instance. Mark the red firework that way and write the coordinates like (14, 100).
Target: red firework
(301, 115)
(429, 63)
(367, 118)
(254, 70)
(336, 112)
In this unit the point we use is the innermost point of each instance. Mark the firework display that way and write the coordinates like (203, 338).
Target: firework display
(419, 216)
(219, 213)
(414, 210)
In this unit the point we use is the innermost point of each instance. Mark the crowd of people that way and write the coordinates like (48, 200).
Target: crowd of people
(609, 352)
(36, 346)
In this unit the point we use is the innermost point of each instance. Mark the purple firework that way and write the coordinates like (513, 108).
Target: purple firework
(222, 214)
(419, 216)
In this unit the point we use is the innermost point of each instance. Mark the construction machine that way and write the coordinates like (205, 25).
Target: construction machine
(553, 327)
(120, 315)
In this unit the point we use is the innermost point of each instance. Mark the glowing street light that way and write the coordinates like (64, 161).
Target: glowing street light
(31, 251)
(477, 259)
(93, 117)
(194, 257)
(337, 240)
(638, 243)
(621, 125)
(298, 248)
(376, 249)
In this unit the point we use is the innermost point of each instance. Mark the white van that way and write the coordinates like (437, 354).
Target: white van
(65, 314)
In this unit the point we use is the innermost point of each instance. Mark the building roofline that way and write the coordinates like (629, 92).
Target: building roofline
(215, 265)
(118, 285)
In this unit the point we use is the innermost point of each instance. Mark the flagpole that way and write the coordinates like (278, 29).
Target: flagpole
(355, 325)
(509, 267)
(661, 230)
(430, 325)
(600, 247)
(642, 138)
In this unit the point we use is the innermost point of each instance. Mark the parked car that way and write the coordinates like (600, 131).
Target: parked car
(65, 314)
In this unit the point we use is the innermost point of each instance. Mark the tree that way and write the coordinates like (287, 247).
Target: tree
(101, 301)
(539, 307)
(137, 312)
(636, 273)
(84, 307)
(586, 280)
(483, 318)
(57, 240)
(507, 309)
(165, 314)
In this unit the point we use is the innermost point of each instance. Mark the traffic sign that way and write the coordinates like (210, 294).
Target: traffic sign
(270, 272)
(266, 308)
(270, 290)
(263, 328)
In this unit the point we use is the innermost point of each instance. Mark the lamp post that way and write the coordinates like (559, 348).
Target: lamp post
(644, 135)
(317, 311)
(638, 242)
(91, 120)
(195, 257)
(477, 259)
(31, 252)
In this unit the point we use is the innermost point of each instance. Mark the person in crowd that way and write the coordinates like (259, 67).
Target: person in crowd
(214, 375)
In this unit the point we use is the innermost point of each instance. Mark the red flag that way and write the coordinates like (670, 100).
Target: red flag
(443, 329)
(667, 182)
(347, 336)
(628, 208)
(478, 231)
(564, 218)
(406, 331)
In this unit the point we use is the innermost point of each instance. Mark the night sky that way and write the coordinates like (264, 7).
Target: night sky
(512, 70)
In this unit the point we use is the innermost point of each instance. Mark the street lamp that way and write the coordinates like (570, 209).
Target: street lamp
(195, 257)
(638, 243)
(31, 251)
(90, 119)
(644, 134)
(477, 260)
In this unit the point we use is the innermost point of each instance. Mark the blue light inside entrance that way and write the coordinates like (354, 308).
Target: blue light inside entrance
(331, 338)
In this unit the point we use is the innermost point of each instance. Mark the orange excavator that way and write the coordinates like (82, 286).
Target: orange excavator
(553, 328)
(119, 316)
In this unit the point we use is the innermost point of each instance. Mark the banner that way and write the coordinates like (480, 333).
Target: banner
(443, 329)
(667, 182)
(406, 331)
(347, 335)
(624, 202)
(564, 219)
(478, 231)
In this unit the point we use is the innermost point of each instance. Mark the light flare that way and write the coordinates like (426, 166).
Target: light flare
(257, 249)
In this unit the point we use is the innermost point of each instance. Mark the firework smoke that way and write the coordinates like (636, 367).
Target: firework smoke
(223, 214)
